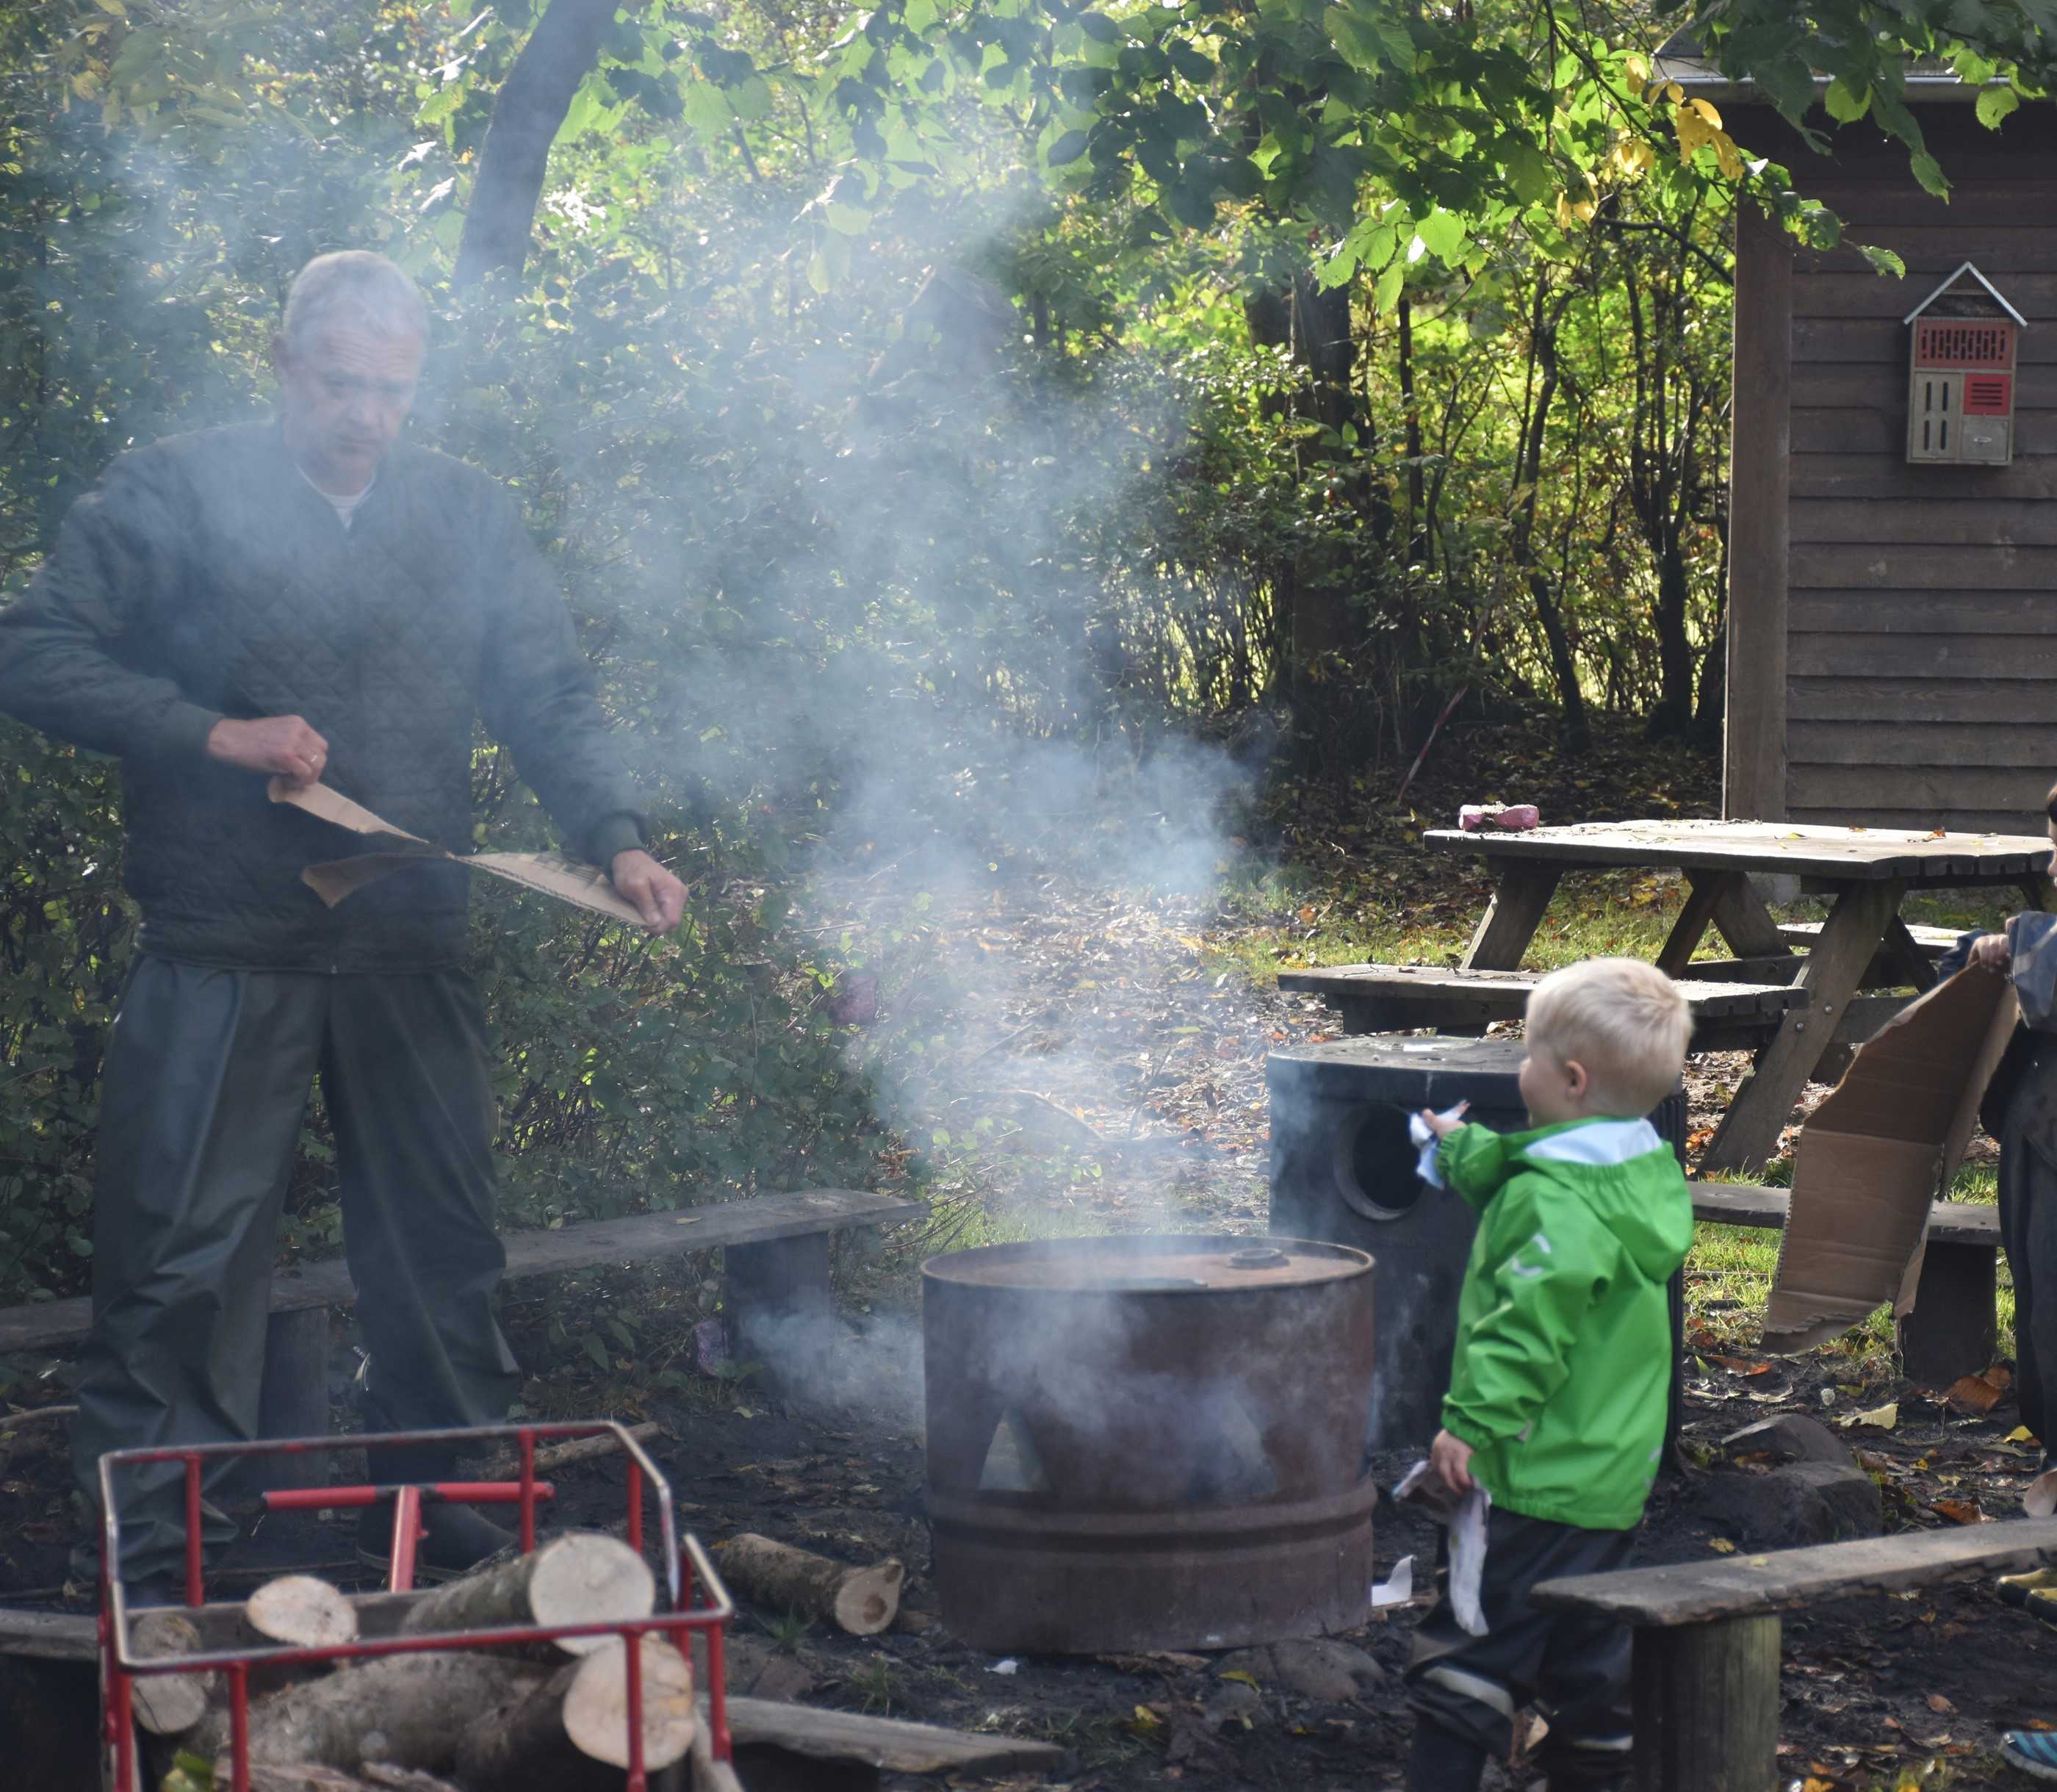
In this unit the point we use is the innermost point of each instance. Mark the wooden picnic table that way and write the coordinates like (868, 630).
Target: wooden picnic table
(1866, 872)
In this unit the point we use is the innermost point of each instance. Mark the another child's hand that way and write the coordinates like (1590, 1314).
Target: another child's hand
(1443, 1125)
(1994, 951)
(1450, 1458)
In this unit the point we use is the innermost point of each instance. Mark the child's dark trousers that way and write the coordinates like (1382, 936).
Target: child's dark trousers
(1465, 1690)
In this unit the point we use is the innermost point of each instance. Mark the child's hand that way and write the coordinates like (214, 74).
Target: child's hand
(1450, 1457)
(1994, 951)
(1443, 1125)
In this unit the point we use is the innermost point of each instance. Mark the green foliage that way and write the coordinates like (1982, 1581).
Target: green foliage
(898, 390)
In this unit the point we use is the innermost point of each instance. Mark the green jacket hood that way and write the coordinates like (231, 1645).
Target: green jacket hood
(1654, 1234)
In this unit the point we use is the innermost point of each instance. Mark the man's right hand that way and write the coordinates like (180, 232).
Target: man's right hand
(278, 745)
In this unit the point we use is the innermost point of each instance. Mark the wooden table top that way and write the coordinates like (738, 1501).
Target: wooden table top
(1854, 854)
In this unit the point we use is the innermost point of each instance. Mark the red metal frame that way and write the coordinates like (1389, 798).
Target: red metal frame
(692, 1594)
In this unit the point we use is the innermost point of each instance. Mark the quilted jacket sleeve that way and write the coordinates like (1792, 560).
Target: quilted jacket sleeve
(539, 699)
(65, 662)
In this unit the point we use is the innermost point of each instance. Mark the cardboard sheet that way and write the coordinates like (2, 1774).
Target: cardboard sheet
(583, 886)
(1875, 1152)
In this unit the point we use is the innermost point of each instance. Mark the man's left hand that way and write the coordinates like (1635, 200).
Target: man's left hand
(658, 896)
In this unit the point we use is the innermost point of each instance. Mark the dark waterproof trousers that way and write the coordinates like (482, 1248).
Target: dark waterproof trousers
(1576, 1667)
(2028, 1228)
(206, 1082)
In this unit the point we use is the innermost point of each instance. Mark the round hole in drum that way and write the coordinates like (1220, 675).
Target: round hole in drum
(1375, 1163)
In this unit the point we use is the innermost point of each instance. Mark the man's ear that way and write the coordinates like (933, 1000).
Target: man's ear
(1576, 1081)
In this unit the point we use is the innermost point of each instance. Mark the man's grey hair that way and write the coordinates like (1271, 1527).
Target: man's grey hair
(354, 286)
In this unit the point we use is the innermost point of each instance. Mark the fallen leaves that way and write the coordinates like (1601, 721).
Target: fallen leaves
(1958, 1511)
(1721, 1546)
(1879, 1418)
(1977, 1395)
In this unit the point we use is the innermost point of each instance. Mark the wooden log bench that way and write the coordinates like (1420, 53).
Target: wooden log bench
(1707, 1637)
(1392, 998)
(775, 1266)
(1953, 1329)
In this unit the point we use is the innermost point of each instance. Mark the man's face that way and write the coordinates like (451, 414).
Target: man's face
(344, 394)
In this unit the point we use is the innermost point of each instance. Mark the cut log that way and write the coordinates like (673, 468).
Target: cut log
(401, 1710)
(298, 1612)
(304, 1776)
(167, 1704)
(861, 1600)
(551, 1458)
(580, 1578)
(573, 1729)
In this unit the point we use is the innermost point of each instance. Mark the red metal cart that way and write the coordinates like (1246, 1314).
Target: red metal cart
(691, 1593)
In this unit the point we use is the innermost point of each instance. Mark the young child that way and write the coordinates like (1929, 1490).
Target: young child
(1559, 1387)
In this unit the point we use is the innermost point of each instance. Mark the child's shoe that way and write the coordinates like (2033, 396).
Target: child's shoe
(2033, 1751)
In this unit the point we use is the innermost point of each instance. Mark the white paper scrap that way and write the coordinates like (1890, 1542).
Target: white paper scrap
(1398, 1587)
(1464, 1518)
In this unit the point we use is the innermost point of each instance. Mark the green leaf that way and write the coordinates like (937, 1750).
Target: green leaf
(918, 15)
(1444, 232)
(1067, 149)
(1846, 103)
(1393, 33)
(1529, 173)
(818, 275)
(1995, 104)
(1929, 172)
(1099, 27)
(1387, 292)
(847, 220)
(1883, 261)
(1357, 42)
(598, 1350)
(706, 107)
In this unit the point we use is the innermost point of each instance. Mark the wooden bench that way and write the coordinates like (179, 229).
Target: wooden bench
(1933, 941)
(1707, 1637)
(774, 1258)
(1391, 998)
(1953, 1329)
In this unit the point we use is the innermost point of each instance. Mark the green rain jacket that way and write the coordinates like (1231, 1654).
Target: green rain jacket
(1562, 1372)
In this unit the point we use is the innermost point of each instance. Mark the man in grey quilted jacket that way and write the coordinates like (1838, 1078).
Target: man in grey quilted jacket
(312, 599)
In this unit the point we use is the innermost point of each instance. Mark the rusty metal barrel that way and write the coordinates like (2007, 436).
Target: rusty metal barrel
(1148, 1442)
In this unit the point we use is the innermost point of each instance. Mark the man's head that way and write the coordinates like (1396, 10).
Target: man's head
(348, 355)
(1607, 1037)
(2050, 813)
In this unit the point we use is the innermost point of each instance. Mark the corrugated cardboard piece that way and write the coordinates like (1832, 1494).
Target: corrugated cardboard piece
(583, 886)
(1875, 1152)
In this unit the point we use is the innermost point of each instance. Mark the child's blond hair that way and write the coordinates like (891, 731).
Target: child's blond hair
(1624, 1020)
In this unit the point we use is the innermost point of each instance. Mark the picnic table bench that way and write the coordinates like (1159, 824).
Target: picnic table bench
(1707, 1637)
(775, 1262)
(1389, 998)
(1953, 1329)
(1868, 872)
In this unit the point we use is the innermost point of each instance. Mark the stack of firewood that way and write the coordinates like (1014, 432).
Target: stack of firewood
(488, 1719)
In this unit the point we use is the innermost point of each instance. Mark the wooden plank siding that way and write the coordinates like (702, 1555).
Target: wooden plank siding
(1920, 604)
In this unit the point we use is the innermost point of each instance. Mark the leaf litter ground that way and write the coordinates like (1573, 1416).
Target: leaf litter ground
(1060, 1053)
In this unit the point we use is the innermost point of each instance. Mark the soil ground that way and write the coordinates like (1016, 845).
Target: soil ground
(1064, 1056)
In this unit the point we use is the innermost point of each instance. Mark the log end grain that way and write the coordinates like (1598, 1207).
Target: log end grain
(586, 1578)
(167, 1704)
(596, 1709)
(301, 1611)
(867, 1600)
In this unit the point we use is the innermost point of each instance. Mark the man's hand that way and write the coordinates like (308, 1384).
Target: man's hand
(1444, 1125)
(659, 897)
(1449, 1459)
(278, 746)
(1994, 951)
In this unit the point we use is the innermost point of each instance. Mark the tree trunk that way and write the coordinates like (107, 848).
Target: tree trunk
(410, 1704)
(860, 1600)
(572, 1731)
(1672, 719)
(580, 1578)
(527, 112)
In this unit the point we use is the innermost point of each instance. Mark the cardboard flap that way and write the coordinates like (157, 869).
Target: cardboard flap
(1875, 1152)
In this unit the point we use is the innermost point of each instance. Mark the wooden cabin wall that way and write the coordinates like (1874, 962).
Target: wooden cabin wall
(1919, 674)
